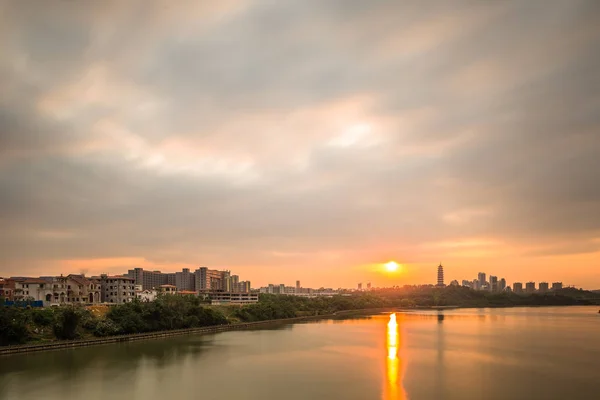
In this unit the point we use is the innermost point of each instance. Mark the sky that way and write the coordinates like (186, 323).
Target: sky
(302, 140)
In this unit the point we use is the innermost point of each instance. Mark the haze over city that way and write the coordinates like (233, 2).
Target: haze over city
(302, 141)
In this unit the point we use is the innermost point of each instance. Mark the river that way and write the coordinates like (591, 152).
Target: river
(510, 353)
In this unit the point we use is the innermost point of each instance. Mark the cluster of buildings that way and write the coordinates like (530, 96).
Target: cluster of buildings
(297, 290)
(496, 285)
(499, 285)
(70, 289)
(220, 287)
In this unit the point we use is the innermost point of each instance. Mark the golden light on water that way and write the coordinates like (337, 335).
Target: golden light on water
(394, 391)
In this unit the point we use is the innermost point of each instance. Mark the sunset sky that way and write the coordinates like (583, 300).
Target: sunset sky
(310, 140)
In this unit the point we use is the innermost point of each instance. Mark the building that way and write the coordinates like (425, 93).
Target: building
(360, 286)
(518, 287)
(557, 285)
(209, 279)
(543, 287)
(147, 295)
(33, 289)
(7, 287)
(298, 286)
(244, 287)
(117, 289)
(184, 280)
(481, 277)
(454, 283)
(493, 283)
(167, 289)
(502, 285)
(476, 285)
(148, 279)
(440, 276)
(530, 287)
(187, 293)
(233, 298)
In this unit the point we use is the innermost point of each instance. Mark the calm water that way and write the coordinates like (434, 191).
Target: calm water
(519, 353)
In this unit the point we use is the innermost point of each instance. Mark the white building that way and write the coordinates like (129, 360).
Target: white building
(147, 295)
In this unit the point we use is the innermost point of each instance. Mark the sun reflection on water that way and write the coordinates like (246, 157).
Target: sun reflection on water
(394, 391)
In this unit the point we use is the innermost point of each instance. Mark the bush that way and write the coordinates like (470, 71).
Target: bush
(66, 326)
(13, 326)
(43, 317)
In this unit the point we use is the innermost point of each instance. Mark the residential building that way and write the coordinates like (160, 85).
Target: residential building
(208, 279)
(117, 289)
(557, 285)
(481, 277)
(502, 285)
(360, 286)
(33, 289)
(440, 276)
(7, 287)
(543, 287)
(185, 281)
(518, 287)
(151, 279)
(493, 283)
(167, 289)
(298, 286)
(244, 287)
(530, 287)
(80, 289)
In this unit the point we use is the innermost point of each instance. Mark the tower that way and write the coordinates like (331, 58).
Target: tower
(440, 276)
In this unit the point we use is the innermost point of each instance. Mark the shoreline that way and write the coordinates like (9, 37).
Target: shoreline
(71, 344)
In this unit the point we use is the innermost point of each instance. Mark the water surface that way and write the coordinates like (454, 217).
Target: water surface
(513, 353)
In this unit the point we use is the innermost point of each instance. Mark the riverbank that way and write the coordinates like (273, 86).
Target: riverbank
(69, 344)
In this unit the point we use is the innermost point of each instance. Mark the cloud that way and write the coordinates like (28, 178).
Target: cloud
(248, 133)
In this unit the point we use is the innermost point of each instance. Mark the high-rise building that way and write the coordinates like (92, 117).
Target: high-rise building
(440, 276)
(557, 286)
(518, 287)
(476, 285)
(208, 279)
(530, 287)
(493, 283)
(543, 287)
(369, 286)
(360, 286)
(185, 280)
(298, 286)
(502, 285)
(481, 278)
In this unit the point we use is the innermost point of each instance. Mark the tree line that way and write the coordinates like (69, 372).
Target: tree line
(24, 325)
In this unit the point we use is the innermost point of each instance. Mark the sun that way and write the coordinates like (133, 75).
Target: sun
(391, 266)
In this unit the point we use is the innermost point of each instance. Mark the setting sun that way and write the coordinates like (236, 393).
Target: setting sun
(391, 266)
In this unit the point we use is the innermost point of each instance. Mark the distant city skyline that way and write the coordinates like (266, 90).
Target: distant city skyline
(301, 140)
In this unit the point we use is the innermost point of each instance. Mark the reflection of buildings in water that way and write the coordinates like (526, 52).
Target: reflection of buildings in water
(440, 317)
(394, 368)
